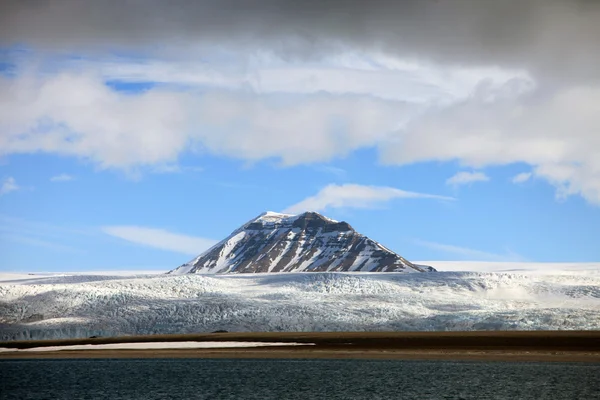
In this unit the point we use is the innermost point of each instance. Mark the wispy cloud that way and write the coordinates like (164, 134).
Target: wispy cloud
(9, 185)
(41, 234)
(465, 253)
(355, 196)
(62, 178)
(175, 169)
(237, 185)
(522, 177)
(28, 227)
(465, 177)
(160, 239)
(37, 242)
(339, 172)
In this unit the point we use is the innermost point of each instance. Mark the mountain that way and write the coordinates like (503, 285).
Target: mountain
(307, 242)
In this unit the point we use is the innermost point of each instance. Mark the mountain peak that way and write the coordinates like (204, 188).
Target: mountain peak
(311, 219)
(272, 216)
(306, 220)
(277, 242)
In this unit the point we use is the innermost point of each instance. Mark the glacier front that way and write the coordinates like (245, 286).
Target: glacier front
(82, 306)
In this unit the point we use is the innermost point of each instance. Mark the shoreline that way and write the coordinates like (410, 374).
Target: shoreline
(286, 353)
(540, 346)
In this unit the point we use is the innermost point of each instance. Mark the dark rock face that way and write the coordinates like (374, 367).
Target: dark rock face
(308, 242)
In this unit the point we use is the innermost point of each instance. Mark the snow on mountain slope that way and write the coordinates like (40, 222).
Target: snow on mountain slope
(275, 242)
(80, 306)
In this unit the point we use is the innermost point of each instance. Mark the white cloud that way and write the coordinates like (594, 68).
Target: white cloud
(294, 129)
(62, 178)
(502, 122)
(557, 133)
(175, 169)
(464, 178)
(9, 185)
(465, 253)
(522, 177)
(372, 74)
(329, 169)
(355, 196)
(78, 115)
(295, 112)
(430, 53)
(160, 239)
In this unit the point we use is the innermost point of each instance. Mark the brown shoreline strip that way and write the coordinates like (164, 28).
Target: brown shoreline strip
(312, 353)
(562, 346)
(585, 341)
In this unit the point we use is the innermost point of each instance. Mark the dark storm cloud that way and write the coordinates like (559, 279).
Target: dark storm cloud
(554, 38)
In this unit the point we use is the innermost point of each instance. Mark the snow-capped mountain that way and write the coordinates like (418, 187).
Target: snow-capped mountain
(307, 242)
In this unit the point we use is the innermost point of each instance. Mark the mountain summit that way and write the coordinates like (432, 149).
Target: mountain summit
(307, 242)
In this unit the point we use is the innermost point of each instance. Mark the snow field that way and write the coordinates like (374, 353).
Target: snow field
(83, 306)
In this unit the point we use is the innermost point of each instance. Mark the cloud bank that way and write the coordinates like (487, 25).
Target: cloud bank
(475, 82)
(512, 33)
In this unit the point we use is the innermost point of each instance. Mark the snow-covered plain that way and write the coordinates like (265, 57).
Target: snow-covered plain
(529, 268)
(72, 306)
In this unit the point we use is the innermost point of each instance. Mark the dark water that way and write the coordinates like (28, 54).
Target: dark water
(294, 379)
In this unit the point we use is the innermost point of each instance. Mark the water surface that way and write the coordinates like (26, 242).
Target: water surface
(149, 379)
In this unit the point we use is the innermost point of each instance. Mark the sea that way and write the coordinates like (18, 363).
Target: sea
(148, 379)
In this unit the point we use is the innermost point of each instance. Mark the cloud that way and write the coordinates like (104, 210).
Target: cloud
(175, 169)
(37, 242)
(420, 80)
(556, 133)
(465, 253)
(62, 178)
(296, 130)
(160, 239)
(9, 185)
(329, 169)
(41, 234)
(520, 33)
(36, 228)
(522, 177)
(355, 196)
(372, 74)
(464, 178)
(78, 115)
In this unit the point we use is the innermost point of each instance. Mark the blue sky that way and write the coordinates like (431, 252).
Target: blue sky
(119, 155)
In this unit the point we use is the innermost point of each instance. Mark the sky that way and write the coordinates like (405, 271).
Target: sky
(134, 135)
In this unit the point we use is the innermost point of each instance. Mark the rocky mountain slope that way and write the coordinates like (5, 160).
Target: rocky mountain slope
(307, 242)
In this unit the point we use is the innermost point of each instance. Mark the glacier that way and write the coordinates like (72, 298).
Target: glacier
(78, 306)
